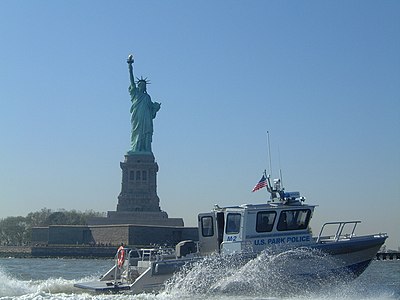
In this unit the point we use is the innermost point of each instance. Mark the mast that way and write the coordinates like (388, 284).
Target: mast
(269, 153)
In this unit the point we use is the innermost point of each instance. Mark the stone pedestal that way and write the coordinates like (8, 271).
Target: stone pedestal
(139, 184)
(138, 202)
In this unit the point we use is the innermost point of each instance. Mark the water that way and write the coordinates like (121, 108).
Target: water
(213, 278)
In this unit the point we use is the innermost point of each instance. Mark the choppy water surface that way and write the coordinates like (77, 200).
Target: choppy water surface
(212, 278)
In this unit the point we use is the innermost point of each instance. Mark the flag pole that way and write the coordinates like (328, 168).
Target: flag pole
(268, 182)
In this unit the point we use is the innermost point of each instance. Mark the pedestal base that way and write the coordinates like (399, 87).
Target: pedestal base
(142, 218)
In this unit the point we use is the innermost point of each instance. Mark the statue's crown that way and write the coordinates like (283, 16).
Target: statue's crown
(141, 79)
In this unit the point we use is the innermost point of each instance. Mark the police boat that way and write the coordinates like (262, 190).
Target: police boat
(281, 224)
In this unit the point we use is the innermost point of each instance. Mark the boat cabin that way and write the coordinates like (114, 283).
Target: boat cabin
(256, 227)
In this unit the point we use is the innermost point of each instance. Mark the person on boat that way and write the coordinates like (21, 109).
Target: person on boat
(121, 256)
(264, 226)
(282, 224)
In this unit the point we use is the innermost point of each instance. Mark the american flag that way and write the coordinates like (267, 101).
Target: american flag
(261, 184)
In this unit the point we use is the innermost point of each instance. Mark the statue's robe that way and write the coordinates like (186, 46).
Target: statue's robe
(143, 111)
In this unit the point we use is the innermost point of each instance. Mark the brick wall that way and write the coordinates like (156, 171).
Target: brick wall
(112, 234)
(64, 234)
(40, 235)
(147, 235)
(134, 235)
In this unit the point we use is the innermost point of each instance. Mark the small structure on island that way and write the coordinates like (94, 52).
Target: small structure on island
(138, 219)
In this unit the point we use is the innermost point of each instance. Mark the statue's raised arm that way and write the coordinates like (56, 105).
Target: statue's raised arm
(131, 77)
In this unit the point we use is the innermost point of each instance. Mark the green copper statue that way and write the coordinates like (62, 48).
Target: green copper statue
(143, 111)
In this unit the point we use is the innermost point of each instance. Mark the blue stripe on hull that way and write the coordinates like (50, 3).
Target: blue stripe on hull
(358, 268)
(351, 271)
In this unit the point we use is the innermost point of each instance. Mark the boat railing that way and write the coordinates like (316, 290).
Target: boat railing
(147, 254)
(150, 254)
(339, 231)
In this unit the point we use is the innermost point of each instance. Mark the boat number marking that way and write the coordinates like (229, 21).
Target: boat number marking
(282, 240)
(232, 238)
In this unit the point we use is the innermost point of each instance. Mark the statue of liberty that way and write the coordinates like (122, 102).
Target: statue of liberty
(143, 111)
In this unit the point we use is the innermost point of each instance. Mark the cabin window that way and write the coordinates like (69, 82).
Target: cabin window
(207, 227)
(265, 221)
(294, 219)
(233, 223)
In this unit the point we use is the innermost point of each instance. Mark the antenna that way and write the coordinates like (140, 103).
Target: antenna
(269, 153)
(280, 168)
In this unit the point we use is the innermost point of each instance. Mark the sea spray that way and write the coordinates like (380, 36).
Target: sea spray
(12, 287)
(290, 273)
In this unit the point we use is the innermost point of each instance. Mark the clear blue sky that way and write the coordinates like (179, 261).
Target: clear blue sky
(322, 76)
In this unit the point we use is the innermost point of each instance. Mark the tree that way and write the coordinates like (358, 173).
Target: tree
(16, 231)
(13, 231)
(57, 218)
(38, 218)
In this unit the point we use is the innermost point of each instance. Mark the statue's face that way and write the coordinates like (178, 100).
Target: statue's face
(142, 86)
